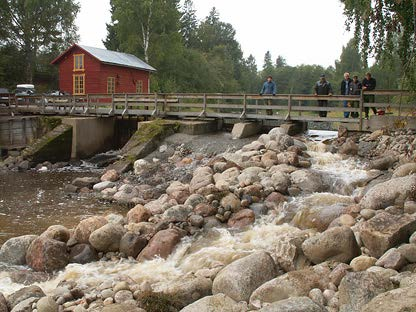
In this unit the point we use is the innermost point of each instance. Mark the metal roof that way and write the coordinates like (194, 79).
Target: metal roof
(117, 58)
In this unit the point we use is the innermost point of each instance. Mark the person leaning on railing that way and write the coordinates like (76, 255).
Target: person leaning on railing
(355, 89)
(323, 87)
(345, 90)
(269, 88)
(369, 84)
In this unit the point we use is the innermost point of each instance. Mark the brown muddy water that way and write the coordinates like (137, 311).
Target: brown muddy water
(32, 201)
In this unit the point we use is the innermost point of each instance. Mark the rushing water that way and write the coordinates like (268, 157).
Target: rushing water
(218, 246)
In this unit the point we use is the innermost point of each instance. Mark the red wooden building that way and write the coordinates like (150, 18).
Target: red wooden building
(88, 70)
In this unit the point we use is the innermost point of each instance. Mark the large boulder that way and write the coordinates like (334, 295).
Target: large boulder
(385, 231)
(239, 279)
(231, 202)
(349, 147)
(391, 192)
(396, 300)
(358, 288)
(280, 182)
(315, 216)
(13, 251)
(189, 289)
(110, 176)
(404, 170)
(3, 304)
(161, 245)
(295, 304)
(308, 181)
(47, 255)
(25, 305)
(47, 304)
(227, 178)
(293, 284)
(383, 163)
(126, 194)
(250, 175)
(57, 232)
(82, 254)
(336, 244)
(218, 302)
(99, 187)
(132, 244)
(85, 182)
(138, 214)
(178, 191)
(23, 294)
(178, 213)
(107, 238)
(86, 227)
(241, 218)
(203, 176)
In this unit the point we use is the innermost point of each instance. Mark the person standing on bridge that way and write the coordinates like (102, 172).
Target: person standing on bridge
(323, 87)
(355, 89)
(269, 88)
(369, 84)
(345, 90)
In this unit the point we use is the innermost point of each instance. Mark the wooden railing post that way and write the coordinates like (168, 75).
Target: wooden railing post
(361, 111)
(43, 104)
(155, 112)
(113, 106)
(87, 108)
(289, 106)
(73, 105)
(126, 105)
(165, 103)
(244, 113)
(204, 106)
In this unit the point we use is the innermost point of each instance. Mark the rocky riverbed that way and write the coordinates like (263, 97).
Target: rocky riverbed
(280, 224)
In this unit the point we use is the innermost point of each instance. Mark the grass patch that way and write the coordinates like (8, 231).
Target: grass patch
(49, 123)
(158, 302)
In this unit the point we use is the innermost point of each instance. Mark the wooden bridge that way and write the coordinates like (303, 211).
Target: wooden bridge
(288, 107)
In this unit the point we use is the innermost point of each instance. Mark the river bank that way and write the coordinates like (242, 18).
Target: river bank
(281, 224)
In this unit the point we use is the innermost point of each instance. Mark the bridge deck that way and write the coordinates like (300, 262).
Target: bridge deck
(297, 107)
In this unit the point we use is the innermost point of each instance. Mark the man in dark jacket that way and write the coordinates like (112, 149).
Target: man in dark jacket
(355, 89)
(369, 84)
(345, 90)
(323, 87)
(269, 88)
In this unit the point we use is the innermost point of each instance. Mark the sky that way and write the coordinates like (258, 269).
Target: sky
(302, 31)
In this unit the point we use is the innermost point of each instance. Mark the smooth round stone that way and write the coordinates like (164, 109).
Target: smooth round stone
(121, 286)
(123, 296)
(107, 293)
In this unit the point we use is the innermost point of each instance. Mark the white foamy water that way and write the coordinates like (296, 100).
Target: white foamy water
(217, 247)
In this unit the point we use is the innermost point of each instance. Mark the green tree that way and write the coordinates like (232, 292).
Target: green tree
(385, 27)
(37, 26)
(280, 62)
(350, 60)
(268, 64)
(189, 24)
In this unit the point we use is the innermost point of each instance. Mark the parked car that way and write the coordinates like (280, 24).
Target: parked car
(25, 89)
(4, 96)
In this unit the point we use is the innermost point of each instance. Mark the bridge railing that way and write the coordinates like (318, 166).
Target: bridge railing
(218, 105)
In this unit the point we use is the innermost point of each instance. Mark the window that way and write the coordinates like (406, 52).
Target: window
(78, 61)
(111, 85)
(139, 86)
(79, 84)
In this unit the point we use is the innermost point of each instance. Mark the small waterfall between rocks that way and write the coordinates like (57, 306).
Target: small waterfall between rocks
(206, 253)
